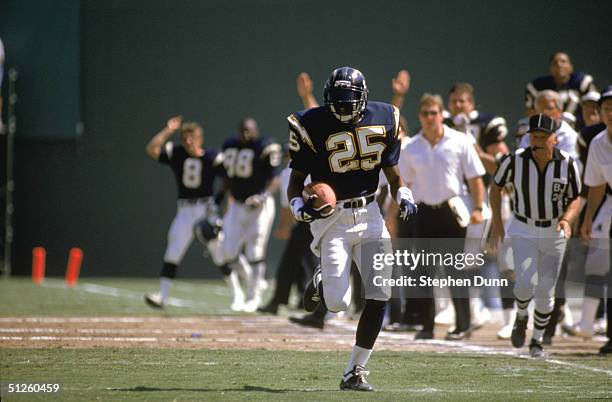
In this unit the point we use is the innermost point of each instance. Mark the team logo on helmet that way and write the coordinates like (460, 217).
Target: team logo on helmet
(346, 94)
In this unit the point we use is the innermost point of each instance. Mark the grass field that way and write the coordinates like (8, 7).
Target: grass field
(100, 342)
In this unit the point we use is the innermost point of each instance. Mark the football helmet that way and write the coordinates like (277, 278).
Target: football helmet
(206, 230)
(346, 94)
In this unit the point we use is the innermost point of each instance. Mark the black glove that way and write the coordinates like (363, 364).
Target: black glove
(407, 209)
(308, 213)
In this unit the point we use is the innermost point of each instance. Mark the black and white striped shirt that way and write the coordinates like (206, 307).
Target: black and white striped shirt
(536, 195)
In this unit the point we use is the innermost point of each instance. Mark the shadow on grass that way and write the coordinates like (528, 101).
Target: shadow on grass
(244, 388)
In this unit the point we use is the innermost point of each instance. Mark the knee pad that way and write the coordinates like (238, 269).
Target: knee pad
(168, 270)
(594, 286)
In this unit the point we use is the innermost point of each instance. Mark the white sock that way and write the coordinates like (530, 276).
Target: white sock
(589, 309)
(507, 315)
(164, 288)
(522, 312)
(233, 282)
(242, 267)
(359, 357)
(538, 334)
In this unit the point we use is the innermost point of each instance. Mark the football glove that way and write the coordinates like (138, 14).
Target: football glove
(407, 206)
(306, 212)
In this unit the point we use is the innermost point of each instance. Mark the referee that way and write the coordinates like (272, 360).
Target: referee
(545, 184)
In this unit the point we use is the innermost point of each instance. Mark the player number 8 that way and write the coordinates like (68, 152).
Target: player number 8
(192, 173)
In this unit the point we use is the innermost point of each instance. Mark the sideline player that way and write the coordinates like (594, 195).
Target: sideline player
(252, 165)
(597, 175)
(345, 144)
(562, 79)
(195, 169)
(545, 185)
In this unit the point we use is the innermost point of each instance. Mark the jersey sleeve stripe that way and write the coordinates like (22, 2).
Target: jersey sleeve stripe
(168, 148)
(586, 83)
(301, 131)
(396, 118)
(218, 159)
(501, 175)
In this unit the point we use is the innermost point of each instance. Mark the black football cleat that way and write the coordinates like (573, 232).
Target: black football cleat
(309, 320)
(458, 335)
(356, 380)
(270, 308)
(606, 349)
(314, 292)
(535, 350)
(518, 331)
(423, 335)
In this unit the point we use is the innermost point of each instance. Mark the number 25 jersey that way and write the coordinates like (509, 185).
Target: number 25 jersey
(348, 157)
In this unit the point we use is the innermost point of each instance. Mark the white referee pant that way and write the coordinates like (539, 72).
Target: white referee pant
(351, 234)
(248, 228)
(180, 235)
(538, 253)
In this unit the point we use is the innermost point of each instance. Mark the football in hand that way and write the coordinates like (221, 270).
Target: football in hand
(324, 193)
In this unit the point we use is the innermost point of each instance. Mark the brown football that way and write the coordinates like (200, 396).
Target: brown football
(324, 193)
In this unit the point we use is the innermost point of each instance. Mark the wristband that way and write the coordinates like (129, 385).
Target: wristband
(404, 193)
(566, 220)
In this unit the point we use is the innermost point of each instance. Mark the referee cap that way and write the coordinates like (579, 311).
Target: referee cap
(541, 122)
(606, 94)
(591, 96)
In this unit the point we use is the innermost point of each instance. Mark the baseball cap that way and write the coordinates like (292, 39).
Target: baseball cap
(606, 94)
(541, 122)
(591, 96)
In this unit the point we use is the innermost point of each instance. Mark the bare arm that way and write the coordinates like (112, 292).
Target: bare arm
(394, 179)
(565, 223)
(594, 198)
(153, 148)
(497, 226)
(400, 85)
(304, 90)
(296, 184)
(488, 158)
(476, 186)
(285, 224)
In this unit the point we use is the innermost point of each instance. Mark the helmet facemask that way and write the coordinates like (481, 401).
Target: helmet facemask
(346, 95)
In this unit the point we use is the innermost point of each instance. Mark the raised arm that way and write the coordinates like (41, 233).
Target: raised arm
(400, 85)
(304, 90)
(153, 148)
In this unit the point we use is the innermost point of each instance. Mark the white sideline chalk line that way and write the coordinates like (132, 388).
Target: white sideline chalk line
(78, 338)
(480, 349)
(120, 293)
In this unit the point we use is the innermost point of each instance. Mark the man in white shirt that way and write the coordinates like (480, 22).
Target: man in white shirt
(597, 175)
(435, 162)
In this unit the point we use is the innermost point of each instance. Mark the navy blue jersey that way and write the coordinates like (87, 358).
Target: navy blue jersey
(348, 157)
(250, 165)
(194, 175)
(487, 129)
(570, 92)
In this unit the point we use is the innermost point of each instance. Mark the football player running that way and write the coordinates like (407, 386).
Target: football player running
(345, 144)
(252, 164)
(195, 169)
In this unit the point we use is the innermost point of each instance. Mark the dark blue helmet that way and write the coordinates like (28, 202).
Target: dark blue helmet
(346, 94)
(206, 231)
